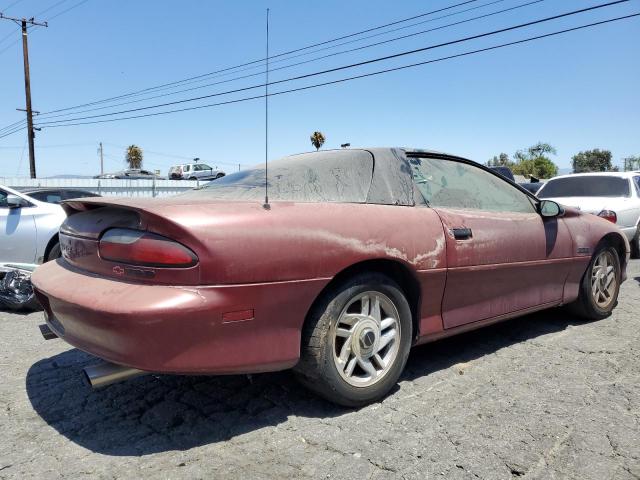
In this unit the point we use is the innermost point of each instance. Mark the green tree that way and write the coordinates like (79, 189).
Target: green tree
(317, 139)
(133, 156)
(632, 163)
(595, 160)
(532, 162)
(502, 160)
(535, 161)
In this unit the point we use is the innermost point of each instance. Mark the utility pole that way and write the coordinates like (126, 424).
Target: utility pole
(101, 160)
(23, 22)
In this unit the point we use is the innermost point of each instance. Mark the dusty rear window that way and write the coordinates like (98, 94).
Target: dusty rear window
(587, 186)
(333, 176)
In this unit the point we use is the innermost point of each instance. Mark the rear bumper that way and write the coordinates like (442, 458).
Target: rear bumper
(169, 329)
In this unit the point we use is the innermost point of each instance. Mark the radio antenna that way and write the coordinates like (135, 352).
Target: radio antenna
(266, 205)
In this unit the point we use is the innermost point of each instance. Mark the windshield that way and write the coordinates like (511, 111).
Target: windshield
(585, 186)
(332, 176)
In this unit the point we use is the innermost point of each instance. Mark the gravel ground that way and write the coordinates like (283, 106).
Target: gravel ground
(544, 396)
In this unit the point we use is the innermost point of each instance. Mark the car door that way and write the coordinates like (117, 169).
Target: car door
(17, 232)
(502, 256)
(205, 171)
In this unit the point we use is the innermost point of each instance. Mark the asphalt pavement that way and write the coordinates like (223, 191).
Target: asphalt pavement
(546, 396)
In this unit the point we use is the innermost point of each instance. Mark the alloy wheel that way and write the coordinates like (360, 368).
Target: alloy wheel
(366, 338)
(604, 281)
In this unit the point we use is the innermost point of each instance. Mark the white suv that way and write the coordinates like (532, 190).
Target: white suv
(194, 171)
(612, 195)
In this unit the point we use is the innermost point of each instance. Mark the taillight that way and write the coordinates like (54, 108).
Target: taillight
(609, 215)
(144, 248)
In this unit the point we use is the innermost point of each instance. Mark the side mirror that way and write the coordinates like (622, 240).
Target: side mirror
(549, 209)
(14, 201)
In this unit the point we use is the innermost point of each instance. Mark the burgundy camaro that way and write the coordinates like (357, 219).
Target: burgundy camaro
(359, 255)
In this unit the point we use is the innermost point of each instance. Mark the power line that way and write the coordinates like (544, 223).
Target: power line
(50, 8)
(13, 125)
(12, 132)
(4, 129)
(403, 37)
(366, 75)
(263, 59)
(11, 5)
(48, 20)
(9, 35)
(344, 67)
(68, 9)
(197, 79)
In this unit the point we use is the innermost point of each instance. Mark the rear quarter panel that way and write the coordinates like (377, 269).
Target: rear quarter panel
(245, 243)
(301, 241)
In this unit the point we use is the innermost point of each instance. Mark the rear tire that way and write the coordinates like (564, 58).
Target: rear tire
(600, 285)
(356, 341)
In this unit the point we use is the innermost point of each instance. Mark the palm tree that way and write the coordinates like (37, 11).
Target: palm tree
(133, 157)
(317, 140)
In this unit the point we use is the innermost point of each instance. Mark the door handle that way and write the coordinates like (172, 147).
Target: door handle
(462, 233)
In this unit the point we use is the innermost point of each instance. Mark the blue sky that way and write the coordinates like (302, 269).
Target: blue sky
(577, 91)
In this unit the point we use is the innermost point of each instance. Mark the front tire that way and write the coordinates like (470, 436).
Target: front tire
(356, 341)
(600, 285)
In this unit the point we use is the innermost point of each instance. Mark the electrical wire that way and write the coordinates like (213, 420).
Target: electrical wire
(50, 8)
(403, 37)
(9, 35)
(12, 126)
(11, 5)
(12, 132)
(371, 74)
(67, 10)
(270, 58)
(344, 67)
(47, 20)
(253, 67)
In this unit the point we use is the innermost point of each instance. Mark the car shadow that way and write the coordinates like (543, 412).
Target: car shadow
(152, 414)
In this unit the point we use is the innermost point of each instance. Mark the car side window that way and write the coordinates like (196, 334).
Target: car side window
(49, 197)
(3, 199)
(636, 181)
(454, 184)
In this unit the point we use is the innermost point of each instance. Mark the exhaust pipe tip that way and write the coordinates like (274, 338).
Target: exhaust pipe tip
(46, 332)
(106, 373)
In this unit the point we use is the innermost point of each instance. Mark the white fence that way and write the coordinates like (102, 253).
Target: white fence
(106, 187)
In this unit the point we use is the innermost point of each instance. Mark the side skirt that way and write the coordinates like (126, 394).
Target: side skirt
(450, 332)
